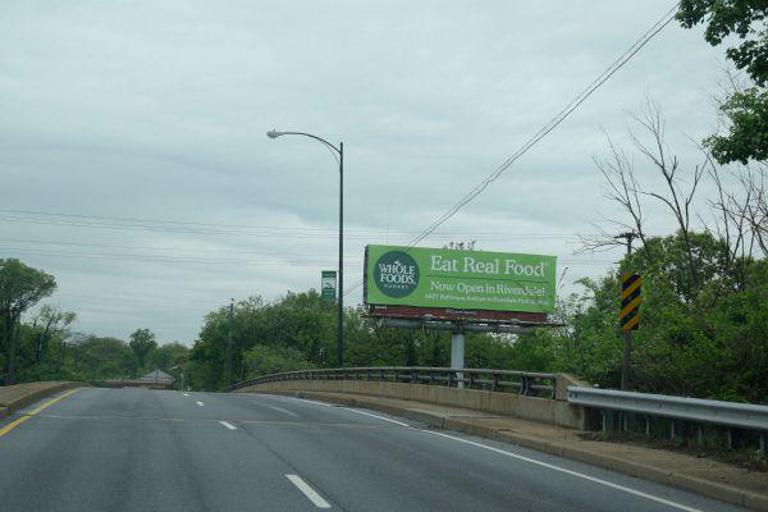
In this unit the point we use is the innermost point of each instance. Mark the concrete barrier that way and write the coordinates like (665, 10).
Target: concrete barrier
(18, 396)
(555, 412)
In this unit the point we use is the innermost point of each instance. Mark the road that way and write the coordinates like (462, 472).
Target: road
(137, 450)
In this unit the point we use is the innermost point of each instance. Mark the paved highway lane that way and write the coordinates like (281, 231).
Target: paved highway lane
(137, 450)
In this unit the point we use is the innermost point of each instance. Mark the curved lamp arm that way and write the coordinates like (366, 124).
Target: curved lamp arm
(273, 134)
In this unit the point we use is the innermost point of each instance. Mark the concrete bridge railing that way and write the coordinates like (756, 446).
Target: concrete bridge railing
(528, 395)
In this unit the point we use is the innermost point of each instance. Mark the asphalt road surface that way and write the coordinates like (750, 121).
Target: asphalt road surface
(116, 450)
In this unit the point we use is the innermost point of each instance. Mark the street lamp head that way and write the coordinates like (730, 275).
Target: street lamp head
(273, 134)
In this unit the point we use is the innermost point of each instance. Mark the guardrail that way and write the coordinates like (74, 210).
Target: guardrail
(524, 383)
(748, 417)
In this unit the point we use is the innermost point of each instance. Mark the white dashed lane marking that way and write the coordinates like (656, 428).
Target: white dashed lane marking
(308, 491)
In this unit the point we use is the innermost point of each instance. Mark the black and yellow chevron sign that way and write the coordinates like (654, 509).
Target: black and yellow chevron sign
(631, 285)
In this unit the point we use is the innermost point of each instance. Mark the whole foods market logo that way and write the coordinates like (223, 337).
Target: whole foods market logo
(396, 274)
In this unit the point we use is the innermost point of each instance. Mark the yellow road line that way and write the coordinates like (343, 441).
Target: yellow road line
(15, 423)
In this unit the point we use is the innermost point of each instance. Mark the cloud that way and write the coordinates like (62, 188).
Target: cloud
(157, 111)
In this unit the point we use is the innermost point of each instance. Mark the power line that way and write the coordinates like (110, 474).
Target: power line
(154, 258)
(256, 231)
(553, 123)
(175, 250)
(351, 263)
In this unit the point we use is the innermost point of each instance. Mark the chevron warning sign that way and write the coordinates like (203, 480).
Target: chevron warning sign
(629, 316)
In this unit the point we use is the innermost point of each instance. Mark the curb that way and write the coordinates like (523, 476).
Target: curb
(34, 396)
(721, 492)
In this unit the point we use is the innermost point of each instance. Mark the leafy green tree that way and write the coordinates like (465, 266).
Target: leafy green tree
(50, 325)
(263, 360)
(746, 110)
(142, 344)
(42, 344)
(169, 356)
(21, 287)
(704, 340)
(102, 358)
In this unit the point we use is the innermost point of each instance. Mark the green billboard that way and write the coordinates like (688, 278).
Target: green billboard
(445, 278)
(328, 285)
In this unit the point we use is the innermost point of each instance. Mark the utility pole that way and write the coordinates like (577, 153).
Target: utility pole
(228, 362)
(629, 236)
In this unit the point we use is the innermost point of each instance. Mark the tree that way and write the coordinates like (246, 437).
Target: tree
(142, 343)
(746, 110)
(49, 323)
(102, 358)
(21, 287)
(169, 356)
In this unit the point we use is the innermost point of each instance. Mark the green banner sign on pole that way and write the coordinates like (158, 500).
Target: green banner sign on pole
(459, 279)
(328, 285)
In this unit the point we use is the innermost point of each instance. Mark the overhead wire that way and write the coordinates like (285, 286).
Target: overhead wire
(553, 123)
(122, 223)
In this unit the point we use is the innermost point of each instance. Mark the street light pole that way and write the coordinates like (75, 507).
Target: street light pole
(339, 155)
(340, 284)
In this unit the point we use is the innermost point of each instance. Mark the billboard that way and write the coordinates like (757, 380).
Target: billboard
(328, 285)
(463, 280)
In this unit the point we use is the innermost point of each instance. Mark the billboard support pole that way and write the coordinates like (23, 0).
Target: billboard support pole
(458, 340)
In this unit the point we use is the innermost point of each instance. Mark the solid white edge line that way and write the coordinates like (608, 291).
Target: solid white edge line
(378, 417)
(284, 411)
(310, 402)
(227, 425)
(200, 404)
(308, 491)
(568, 472)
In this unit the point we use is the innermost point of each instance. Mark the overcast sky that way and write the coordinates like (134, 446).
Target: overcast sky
(157, 110)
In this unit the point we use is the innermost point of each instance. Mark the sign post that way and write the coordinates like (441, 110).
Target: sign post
(328, 286)
(458, 340)
(629, 317)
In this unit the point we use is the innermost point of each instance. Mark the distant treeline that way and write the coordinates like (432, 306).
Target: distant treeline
(43, 347)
